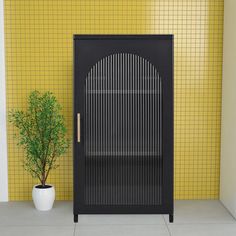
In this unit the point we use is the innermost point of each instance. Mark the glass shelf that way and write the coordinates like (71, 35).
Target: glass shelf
(122, 92)
(91, 154)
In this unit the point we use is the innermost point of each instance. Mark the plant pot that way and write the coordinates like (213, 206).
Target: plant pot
(43, 197)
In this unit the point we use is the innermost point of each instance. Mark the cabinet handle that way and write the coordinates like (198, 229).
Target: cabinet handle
(78, 127)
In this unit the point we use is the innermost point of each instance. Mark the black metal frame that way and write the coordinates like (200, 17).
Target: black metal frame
(158, 49)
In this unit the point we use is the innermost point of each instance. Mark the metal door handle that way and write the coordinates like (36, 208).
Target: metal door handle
(78, 127)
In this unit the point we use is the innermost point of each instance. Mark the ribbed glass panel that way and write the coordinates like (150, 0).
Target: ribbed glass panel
(123, 132)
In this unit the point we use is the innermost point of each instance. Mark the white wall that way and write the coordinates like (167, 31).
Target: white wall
(228, 130)
(3, 140)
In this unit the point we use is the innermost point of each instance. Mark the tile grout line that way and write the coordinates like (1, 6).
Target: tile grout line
(15, 225)
(166, 225)
(96, 224)
(74, 229)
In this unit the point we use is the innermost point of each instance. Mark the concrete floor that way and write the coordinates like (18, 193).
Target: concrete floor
(200, 218)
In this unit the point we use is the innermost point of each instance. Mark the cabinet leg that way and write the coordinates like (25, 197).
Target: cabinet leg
(171, 218)
(75, 218)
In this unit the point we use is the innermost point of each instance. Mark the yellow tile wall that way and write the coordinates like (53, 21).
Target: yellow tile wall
(38, 36)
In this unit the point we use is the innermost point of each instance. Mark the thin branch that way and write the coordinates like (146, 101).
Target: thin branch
(50, 165)
(39, 130)
(35, 172)
(50, 139)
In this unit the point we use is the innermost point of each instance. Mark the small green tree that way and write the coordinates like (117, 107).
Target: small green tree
(42, 134)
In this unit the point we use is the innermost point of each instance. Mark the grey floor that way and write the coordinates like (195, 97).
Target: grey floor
(198, 218)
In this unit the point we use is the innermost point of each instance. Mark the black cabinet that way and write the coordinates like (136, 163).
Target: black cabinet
(123, 124)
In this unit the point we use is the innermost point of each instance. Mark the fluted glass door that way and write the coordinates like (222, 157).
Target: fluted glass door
(123, 132)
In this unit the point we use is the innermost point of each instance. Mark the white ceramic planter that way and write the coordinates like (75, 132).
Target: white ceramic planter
(43, 197)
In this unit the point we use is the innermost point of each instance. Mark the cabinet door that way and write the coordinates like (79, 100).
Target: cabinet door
(123, 148)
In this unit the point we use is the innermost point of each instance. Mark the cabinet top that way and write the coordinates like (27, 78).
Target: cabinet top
(124, 36)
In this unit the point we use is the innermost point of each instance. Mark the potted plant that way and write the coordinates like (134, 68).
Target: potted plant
(42, 134)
